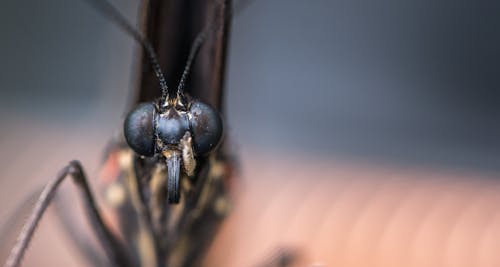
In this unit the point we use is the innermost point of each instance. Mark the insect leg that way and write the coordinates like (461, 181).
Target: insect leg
(73, 228)
(112, 246)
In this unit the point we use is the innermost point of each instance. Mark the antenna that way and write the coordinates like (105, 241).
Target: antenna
(113, 14)
(195, 47)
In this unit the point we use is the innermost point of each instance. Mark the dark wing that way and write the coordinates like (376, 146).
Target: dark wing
(171, 26)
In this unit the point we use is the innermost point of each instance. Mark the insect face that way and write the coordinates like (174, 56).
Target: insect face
(176, 133)
(151, 129)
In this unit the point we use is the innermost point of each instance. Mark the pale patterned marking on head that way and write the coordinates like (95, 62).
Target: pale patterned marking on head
(188, 159)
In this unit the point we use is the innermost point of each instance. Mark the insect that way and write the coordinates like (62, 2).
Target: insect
(166, 178)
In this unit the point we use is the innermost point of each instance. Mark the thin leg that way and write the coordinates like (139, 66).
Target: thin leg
(113, 247)
(73, 227)
(8, 230)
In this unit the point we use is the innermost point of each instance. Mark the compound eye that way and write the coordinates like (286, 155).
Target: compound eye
(206, 127)
(139, 129)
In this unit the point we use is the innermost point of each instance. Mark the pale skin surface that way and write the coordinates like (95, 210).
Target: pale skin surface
(337, 213)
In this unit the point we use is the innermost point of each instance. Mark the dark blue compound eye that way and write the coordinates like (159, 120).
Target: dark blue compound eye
(139, 129)
(206, 127)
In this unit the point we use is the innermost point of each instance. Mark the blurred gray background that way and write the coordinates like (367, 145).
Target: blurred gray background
(405, 84)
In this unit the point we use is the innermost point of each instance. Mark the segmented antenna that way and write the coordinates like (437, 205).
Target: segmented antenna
(113, 14)
(195, 47)
(200, 38)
